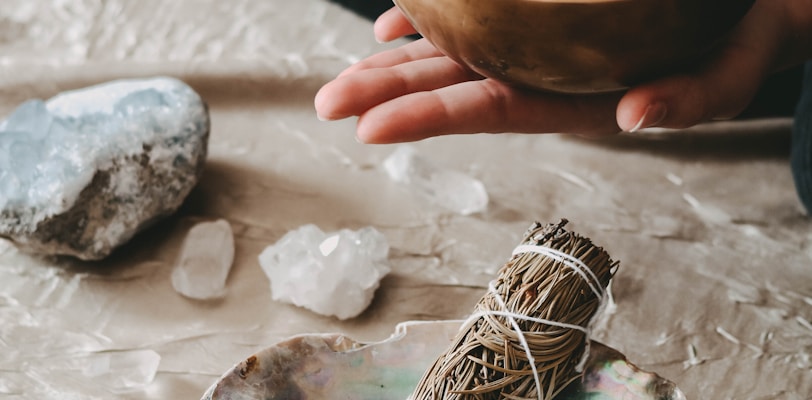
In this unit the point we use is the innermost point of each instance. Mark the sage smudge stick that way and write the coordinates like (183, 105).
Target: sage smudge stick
(528, 335)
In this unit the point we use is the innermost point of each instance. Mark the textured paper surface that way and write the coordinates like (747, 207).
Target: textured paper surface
(714, 290)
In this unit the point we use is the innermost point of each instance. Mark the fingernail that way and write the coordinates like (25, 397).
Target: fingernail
(655, 113)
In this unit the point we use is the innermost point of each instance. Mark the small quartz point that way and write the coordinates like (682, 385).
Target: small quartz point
(122, 371)
(205, 261)
(333, 274)
(450, 189)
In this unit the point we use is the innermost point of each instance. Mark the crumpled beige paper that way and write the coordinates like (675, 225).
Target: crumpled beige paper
(714, 290)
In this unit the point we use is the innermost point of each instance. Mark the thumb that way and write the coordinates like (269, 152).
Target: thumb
(719, 89)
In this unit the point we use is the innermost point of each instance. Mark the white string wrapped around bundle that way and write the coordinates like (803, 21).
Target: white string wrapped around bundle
(528, 335)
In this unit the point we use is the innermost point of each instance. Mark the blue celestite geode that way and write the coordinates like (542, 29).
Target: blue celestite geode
(81, 173)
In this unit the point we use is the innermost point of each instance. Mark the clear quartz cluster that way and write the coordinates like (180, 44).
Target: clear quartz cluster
(82, 172)
(450, 189)
(333, 274)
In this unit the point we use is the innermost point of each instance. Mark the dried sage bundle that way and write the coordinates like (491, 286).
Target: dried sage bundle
(528, 335)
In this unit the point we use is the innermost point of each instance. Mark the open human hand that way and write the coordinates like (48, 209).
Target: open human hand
(414, 92)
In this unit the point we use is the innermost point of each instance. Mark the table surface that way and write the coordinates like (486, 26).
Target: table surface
(714, 290)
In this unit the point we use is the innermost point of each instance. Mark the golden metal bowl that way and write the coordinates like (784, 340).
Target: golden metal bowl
(574, 46)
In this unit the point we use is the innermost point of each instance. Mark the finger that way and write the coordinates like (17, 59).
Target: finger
(719, 90)
(417, 50)
(391, 25)
(485, 106)
(355, 93)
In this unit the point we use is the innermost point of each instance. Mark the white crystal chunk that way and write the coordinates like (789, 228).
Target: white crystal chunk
(50, 150)
(333, 274)
(450, 189)
(205, 261)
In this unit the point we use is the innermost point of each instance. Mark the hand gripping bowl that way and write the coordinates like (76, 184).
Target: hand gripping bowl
(574, 46)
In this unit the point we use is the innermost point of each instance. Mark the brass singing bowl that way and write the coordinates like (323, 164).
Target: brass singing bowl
(574, 46)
